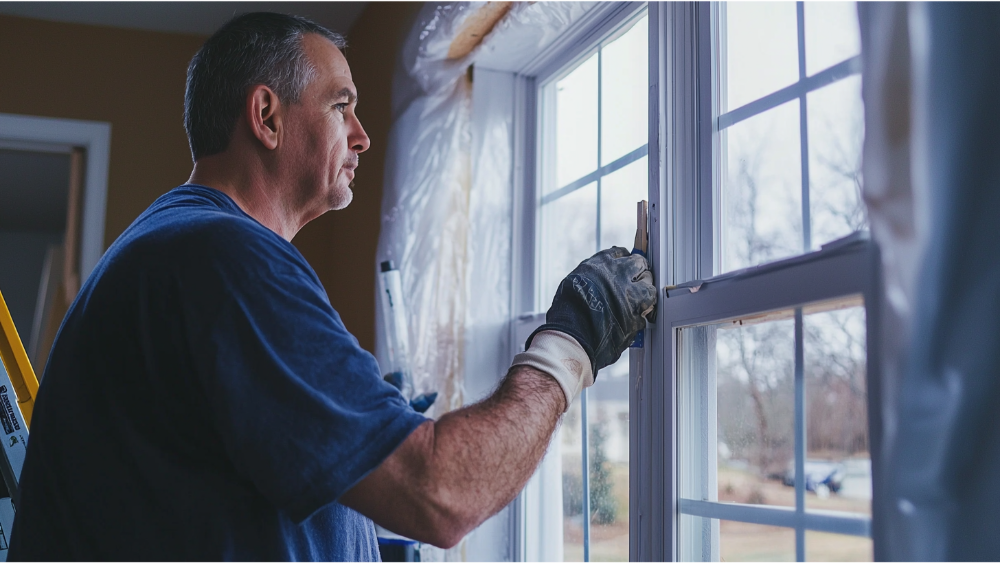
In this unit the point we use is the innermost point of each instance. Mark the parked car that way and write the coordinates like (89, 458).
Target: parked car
(822, 477)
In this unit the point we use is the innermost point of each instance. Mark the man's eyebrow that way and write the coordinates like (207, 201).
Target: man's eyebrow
(347, 93)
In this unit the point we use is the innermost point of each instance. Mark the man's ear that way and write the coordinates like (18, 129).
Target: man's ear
(263, 115)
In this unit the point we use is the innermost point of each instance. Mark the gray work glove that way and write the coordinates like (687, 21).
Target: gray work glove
(597, 311)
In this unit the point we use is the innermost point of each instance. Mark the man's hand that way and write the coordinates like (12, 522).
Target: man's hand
(601, 305)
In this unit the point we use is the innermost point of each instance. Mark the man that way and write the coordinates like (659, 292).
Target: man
(204, 401)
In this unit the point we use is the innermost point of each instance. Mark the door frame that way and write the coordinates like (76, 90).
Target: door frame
(52, 135)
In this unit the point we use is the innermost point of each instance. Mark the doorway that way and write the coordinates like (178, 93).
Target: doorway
(53, 186)
(34, 192)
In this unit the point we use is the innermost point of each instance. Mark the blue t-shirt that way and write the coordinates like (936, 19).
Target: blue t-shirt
(204, 401)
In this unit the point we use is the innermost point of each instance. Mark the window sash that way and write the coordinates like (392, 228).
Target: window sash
(835, 272)
(797, 91)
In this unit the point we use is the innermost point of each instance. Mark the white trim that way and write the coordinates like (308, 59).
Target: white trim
(60, 135)
(580, 40)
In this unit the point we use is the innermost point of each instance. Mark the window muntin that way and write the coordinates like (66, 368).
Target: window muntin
(593, 168)
(773, 61)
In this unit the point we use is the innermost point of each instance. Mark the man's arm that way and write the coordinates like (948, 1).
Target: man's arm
(449, 476)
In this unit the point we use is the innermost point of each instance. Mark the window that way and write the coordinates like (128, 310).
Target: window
(764, 378)
(742, 429)
(790, 128)
(592, 126)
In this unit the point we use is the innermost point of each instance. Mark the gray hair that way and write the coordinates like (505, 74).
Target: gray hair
(250, 49)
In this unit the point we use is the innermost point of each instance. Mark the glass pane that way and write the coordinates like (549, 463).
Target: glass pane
(739, 541)
(821, 546)
(762, 188)
(576, 124)
(836, 134)
(838, 465)
(620, 191)
(761, 41)
(832, 34)
(571, 445)
(569, 235)
(755, 366)
(608, 418)
(624, 98)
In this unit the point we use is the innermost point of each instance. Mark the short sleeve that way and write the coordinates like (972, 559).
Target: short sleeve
(299, 406)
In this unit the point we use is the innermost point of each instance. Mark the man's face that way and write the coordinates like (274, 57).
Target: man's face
(323, 136)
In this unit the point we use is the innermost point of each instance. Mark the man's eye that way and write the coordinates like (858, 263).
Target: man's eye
(340, 107)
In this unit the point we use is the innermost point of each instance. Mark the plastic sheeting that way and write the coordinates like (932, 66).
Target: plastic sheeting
(428, 200)
(932, 183)
(447, 209)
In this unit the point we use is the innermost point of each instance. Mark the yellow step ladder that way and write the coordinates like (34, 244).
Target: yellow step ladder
(17, 379)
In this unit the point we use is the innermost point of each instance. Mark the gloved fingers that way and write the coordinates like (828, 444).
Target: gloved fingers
(633, 265)
(645, 296)
(613, 252)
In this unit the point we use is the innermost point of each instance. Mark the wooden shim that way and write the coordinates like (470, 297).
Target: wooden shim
(642, 227)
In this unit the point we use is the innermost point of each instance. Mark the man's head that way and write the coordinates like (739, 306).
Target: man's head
(280, 85)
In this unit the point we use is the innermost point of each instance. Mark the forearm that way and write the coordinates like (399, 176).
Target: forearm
(485, 453)
(449, 476)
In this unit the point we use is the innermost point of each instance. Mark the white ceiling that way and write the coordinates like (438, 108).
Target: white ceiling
(182, 17)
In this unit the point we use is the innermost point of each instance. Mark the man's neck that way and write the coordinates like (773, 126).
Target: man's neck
(249, 188)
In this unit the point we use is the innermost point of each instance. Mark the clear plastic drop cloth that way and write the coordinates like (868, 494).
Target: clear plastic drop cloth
(446, 217)
(428, 198)
(932, 185)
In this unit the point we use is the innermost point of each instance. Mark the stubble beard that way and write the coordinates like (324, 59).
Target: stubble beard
(343, 198)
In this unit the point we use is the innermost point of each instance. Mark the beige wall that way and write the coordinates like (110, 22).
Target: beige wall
(132, 79)
(135, 80)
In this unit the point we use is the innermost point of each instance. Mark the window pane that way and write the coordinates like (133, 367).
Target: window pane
(832, 34)
(761, 41)
(624, 98)
(571, 444)
(739, 541)
(838, 465)
(821, 546)
(569, 235)
(762, 189)
(620, 191)
(576, 124)
(836, 134)
(756, 383)
(608, 417)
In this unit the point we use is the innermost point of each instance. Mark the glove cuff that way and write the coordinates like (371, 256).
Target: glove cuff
(562, 357)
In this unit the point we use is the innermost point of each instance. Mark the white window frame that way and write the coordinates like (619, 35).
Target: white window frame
(684, 193)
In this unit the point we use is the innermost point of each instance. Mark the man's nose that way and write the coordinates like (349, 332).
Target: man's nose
(359, 139)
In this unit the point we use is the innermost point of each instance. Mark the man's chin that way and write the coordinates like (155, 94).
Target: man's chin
(343, 198)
